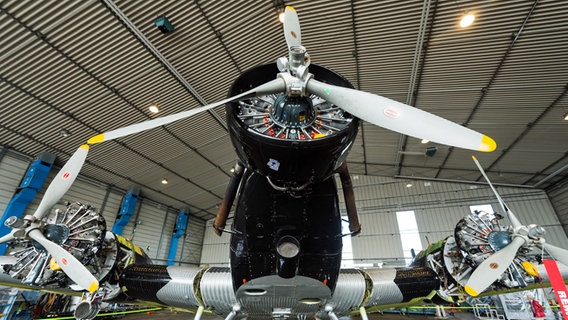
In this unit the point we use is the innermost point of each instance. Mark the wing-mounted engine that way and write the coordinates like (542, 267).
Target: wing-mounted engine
(476, 237)
(80, 230)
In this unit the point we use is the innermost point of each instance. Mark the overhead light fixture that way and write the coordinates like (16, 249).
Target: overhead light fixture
(281, 17)
(424, 141)
(429, 152)
(467, 19)
(64, 133)
(164, 181)
(164, 25)
(566, 116)
(154, 108)
(409, 185)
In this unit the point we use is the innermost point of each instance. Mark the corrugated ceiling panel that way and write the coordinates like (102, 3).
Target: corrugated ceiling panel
(191, 164)
(252, 33)
(457, 65)
(156, 144)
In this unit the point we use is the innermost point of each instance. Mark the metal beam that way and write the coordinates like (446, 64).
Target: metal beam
(420, 52)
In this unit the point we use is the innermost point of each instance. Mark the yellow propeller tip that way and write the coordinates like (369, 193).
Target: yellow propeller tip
(474, 158)
(94, 286)
(97, 139)
(487, 144)
(291, 8)
(469, 290)
(84, 146)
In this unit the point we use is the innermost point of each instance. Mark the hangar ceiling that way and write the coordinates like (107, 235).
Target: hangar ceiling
(92, 66)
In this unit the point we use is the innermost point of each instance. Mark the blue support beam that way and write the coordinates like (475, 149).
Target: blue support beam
(126, 209)
(179, 230)
(29, 186)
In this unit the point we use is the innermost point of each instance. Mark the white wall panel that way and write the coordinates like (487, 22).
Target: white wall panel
(165, 239)
(192, 244)
(438, 206)
(111, 208)
(146, 230)
(215, 249)
(559, 198)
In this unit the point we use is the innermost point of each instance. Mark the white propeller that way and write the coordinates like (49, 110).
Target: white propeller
(385, 112)
(514, 221)
(274, 86)
(62, 181)
(9, 237)
(492, 268)
(292, 31)
(72, 267)
(401, 118)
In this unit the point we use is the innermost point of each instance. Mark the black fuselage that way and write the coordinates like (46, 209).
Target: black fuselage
(287, 188)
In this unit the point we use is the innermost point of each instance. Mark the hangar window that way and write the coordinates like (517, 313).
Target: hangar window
(483, 208)
(409, 235)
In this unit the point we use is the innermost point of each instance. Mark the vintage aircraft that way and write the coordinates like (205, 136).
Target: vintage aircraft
(291, 135)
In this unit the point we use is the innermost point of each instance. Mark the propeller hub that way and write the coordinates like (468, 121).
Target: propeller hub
(293, 112)
(298, 57)
(57, 233)
(536, 231)
(499, 239)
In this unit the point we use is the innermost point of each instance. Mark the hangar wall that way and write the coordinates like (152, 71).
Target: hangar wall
(559, 198)
(153, 234)
(438, 206)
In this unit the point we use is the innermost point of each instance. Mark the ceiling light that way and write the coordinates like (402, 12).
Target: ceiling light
(409, 185)
(164, 25)
(64, 133)
(467, 20)
(164, 181)
(429, 152)
(566, 116)
(424, 141)
(154, 108)
(281, 17)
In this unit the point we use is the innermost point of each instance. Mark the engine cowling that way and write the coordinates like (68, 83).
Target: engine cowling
(290, 139)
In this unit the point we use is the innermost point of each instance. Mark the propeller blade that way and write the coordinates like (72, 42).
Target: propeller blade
(292, 30)
(7, 238)
(62, 181)
(70, 170)
(559, 254)
(490, 269)
(274, 86)
(514, 221)
(401, 118)
(72, 267)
